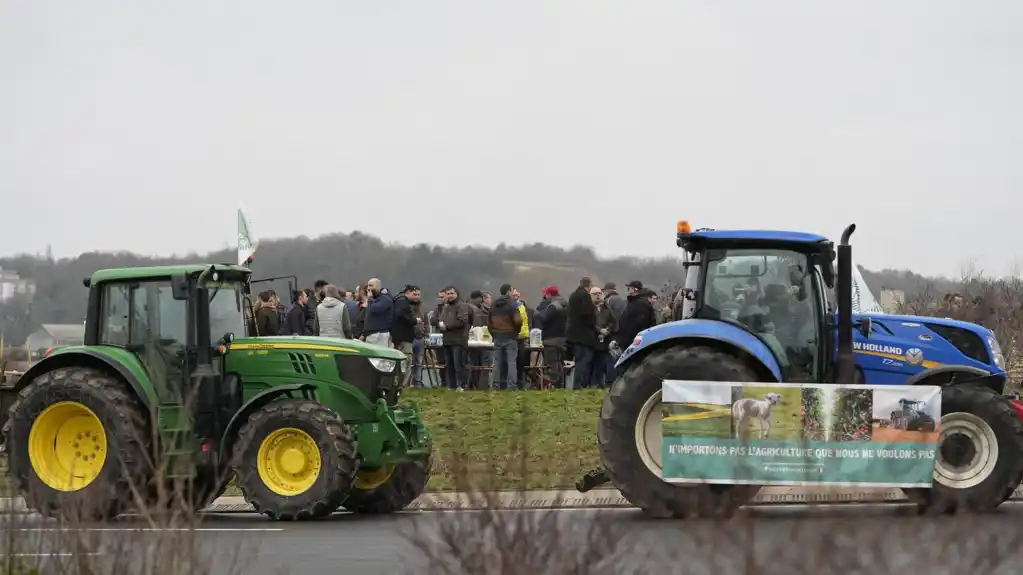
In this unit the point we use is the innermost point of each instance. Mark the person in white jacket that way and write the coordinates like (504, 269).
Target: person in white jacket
(332, 315)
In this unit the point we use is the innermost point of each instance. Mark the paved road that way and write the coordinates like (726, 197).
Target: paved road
(781, 540)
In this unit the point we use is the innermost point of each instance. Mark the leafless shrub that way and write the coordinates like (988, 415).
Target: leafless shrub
(995, 303)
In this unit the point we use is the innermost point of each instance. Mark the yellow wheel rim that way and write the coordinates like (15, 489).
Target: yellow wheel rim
(289, 461)
(67, 446)
(373, 478)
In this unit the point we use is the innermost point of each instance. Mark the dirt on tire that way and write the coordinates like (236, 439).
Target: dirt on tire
(406, 484)
(620, 453)
(337, 455)
(126, 470)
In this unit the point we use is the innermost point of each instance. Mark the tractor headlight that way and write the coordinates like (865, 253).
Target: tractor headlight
(382, 364)
(996, 353)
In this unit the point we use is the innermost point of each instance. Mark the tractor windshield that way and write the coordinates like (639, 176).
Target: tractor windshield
(771, 293)
(226, 311)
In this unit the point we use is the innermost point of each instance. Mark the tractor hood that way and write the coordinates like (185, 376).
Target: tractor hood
(313, 343)
(978, 329)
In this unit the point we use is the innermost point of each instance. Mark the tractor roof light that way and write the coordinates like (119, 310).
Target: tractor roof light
(683, 227)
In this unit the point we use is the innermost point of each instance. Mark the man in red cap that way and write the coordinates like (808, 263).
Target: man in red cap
(553, 315)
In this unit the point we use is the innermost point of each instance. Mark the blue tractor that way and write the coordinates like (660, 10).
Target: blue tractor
(770, 306)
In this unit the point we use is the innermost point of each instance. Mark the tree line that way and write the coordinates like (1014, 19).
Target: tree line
(350, 259)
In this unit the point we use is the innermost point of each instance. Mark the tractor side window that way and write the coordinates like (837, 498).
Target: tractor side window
(115, 310)
(771, 293)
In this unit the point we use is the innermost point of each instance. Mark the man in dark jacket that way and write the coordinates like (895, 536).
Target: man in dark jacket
(614, 301)
(310, 312)
(638, 315)
(295, 320)
(606, 325)
(355, 304)
(581, 333)
(266, 315)
(552, 314)
(505, 322)
(480, 358)
(379, 314)
(453, 319)
(403, 328)
(318, 288)
(419, 343)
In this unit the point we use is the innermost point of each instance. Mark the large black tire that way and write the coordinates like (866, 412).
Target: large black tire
(125, 469)
(980, 407)
(923, 422)
(334, 444)
(616, 432)
(404, 485)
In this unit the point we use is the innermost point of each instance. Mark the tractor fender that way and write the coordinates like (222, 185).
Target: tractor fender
(257, 402)
(995, 381)
(87, 358)
(721, 332)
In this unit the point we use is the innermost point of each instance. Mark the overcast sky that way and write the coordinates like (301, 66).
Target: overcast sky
(142, 125)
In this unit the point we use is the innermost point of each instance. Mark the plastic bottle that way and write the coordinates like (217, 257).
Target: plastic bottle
(535, 337)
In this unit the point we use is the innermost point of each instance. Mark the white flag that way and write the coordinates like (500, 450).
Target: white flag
(863, 300)
(247, 242)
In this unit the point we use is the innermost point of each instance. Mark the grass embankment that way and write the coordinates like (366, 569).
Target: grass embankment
(510, 440)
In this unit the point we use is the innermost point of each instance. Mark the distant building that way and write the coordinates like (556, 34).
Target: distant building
(892, 300)
(11, 284)
(51, 334)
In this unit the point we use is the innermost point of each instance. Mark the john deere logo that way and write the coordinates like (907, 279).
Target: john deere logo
(915, 356)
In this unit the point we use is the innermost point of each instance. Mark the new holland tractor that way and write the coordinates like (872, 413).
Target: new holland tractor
(910, 416)
(788, 327)
(167, 394)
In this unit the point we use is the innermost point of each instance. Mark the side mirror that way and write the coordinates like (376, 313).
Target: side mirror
(865, 326)
(179, 287)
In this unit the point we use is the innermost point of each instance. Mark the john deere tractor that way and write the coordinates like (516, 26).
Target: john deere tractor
(788, 327)
(910, 416)
(167, 391)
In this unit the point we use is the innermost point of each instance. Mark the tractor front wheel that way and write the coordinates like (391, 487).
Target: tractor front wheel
(389, 489)
(980, 453)
(76, 444)
(295, 459)
(629, 434)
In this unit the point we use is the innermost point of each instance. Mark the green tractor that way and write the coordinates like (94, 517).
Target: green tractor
(165, 396)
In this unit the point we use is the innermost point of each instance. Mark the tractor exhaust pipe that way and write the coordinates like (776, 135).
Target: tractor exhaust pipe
(845, 369)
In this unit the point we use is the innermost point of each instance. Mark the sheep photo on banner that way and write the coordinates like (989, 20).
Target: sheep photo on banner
(800, 434)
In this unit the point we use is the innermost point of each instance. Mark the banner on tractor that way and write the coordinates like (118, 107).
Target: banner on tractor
(800, 434)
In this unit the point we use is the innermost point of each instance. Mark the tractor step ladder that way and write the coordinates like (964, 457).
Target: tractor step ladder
(177, 452)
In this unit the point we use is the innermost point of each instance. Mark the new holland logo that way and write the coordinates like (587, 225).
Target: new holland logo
(873, 347)
(915, 356)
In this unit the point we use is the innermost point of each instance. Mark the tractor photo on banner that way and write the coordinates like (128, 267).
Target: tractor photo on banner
(800, 434)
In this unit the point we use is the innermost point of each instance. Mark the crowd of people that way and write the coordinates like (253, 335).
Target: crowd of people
(580, 335)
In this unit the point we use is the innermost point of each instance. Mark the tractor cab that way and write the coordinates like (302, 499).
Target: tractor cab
(912, 404)
(772, 285)
(177, 321)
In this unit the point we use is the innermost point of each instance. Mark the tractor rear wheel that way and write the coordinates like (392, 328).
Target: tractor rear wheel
(629, 434)
(295, 459)
(389, 489)
(980, 454)
(76, 444)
